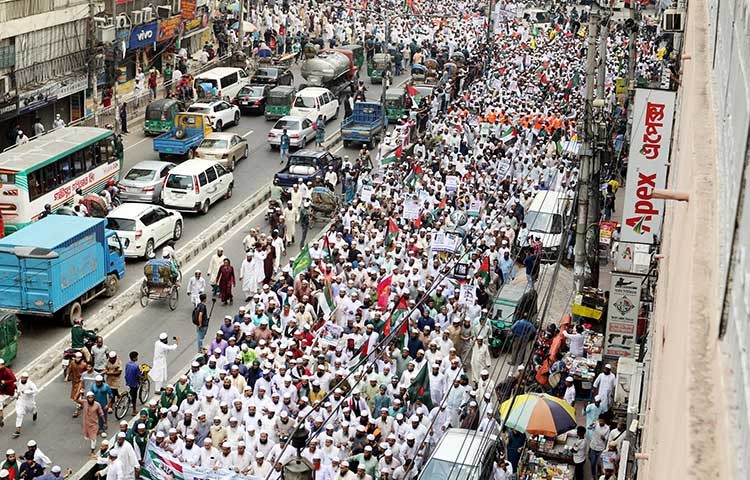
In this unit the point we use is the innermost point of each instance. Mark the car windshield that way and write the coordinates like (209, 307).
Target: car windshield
(266, 72)
(302, 161)
(304, 102)
(195, 109)
(252, 91)
(544, 222)
(182, 182)
(444, 470)
(121, 224)
(140, 175)
(213, 143)
(288, 124)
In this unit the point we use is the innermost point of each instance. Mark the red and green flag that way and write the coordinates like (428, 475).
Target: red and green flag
(393, 156)
(509, 134)
(484, 271)
(392, 232)
(420, 387)
(414, 176)
(384, 292)
(440, 207)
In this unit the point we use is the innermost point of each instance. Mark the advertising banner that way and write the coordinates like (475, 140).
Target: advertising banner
(622, 317)
(642, 215)
(169, 27)
(159, 464)
(143, 35)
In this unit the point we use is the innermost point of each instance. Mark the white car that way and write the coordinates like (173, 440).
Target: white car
(143, 227)
(299, 129)
(219, 112)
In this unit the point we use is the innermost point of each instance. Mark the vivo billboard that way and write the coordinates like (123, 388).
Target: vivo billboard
(642, 215)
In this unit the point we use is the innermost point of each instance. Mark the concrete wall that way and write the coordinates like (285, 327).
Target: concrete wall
(697, 421)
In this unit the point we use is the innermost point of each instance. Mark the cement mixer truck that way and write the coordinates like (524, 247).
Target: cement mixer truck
(335, 69)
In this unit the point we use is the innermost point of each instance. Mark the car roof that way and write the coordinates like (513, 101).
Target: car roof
(192, 167)
(462, 446)
(313, 91)
(307, 152)
(130, 210)
(292, 117)
(220, 135)
(151, 164)
(218, 72)
(205, 104)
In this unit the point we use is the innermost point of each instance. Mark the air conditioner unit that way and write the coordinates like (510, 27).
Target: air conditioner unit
(673, 20)
(148, 14)
(122, 21)
(105, 33)
(164, 11)
(137, 16)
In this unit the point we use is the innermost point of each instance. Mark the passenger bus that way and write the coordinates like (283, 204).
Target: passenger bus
(49, 170)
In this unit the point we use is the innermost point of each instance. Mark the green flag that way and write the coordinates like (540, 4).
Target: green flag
(420, 388)
(302, 262)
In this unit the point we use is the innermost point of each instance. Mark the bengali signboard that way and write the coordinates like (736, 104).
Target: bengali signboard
(169, 27)
(622, 317)
(187, 8)
(642, 214)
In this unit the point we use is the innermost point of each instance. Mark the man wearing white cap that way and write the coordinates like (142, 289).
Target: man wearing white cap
(209, 456)
(260, 468)
(114, 468)
(344, 473)
(480, 358)
(92, 414)
(158, 371)
(25, 401)
(570, 391)
(604, 386)
(131, 469)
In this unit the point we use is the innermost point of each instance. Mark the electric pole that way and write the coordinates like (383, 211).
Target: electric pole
(240, 26)
(631, 25)
(586, 157)
(92, 63)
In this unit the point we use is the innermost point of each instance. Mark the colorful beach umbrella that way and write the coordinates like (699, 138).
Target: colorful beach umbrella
(539, 414)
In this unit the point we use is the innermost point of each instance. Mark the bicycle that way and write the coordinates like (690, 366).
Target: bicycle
(123, 403)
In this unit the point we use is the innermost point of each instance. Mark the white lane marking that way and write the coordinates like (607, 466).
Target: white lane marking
(248, 133)
(190, 267)
(137, 143)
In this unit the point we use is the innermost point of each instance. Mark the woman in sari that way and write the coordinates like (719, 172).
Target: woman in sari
(226, 281)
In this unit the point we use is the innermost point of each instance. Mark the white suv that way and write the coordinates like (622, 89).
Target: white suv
(219, 113)
(142, 227)
(196, 185)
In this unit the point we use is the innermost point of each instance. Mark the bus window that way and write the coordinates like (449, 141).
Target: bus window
(77, 160)
(65, 171)
(35, 185)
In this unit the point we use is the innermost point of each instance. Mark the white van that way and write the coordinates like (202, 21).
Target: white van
(546, 218)
(462, 455)
(226, 80)
(313, 101)
(196, 184)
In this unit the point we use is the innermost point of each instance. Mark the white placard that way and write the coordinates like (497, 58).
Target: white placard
(411, 209)
(451, 183)
(474, 207)
(467, 294)
(642, 215)
(366, 193)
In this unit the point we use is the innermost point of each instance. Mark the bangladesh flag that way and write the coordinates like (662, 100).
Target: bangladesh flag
(420, 387)
(392, 232)
(484, 271)
(302, 262)
(392, 157)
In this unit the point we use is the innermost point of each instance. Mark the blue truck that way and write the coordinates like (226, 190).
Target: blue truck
(55, 265)
(181, 141)
(365, 124)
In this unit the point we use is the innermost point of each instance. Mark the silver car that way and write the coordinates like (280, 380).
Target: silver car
(299, 129)
(143, 182)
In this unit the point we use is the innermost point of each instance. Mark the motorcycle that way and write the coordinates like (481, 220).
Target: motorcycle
(70, 352)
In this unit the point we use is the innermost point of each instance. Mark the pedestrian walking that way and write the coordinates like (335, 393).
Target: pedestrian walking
(320, 131)
(92, 415)
(152, 82)
(226, 281)
(200, 320)
(284, 146)
(523, 333)
(304, 221)
(25, 401)
(159, 368)
(58, 122)
(38, 128)
(124, 118)
(195, 287)
(103, 395)
(213, 270)
(7, 387)
(113, 372)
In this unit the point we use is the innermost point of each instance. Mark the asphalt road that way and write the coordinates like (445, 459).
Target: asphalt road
(39, 334)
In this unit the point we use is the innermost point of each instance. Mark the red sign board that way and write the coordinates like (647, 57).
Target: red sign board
(169, 27)
(188, 9)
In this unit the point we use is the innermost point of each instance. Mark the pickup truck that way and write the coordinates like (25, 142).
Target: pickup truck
(188, 132)
(46, 274)
(365, 124)
(308, 165)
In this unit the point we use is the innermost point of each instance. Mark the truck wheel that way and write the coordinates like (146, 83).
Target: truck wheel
(177, 232)
(149, 253)
(110, 285)
(72, 313)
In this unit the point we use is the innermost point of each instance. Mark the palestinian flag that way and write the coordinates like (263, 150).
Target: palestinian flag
(441, 206)
(509, 135)
(414, 176)
(328, 294)
(392, 232)
(384, 292)
(484, 271)
(420, 387)
(302, 262)
(327, 249)
(393, 156)
(401, 309)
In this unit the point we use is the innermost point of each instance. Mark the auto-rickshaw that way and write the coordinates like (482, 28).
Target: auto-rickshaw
(381, 63)
(160, 115)
(512, 302)
(397, 103)
(418, 73)
(279, 102)
(8, 337)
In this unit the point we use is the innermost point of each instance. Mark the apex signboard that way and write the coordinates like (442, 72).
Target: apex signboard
(642, 215)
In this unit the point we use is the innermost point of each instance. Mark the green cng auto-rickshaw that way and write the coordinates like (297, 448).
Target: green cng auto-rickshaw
(381, 63)
(279, 102)
(8, 337)
(160, 115)
(397, 103)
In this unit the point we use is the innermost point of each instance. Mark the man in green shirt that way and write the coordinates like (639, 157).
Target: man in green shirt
(79, 336)
(368, 460)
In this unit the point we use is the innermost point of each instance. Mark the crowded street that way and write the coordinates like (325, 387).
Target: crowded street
(337, 241)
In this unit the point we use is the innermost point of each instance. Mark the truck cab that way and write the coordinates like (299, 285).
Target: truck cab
(115, 255)
(188, 132)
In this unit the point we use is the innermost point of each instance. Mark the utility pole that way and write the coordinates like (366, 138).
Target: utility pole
(92, 63)
(240, 26)
(586, 157)
(631, 25)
